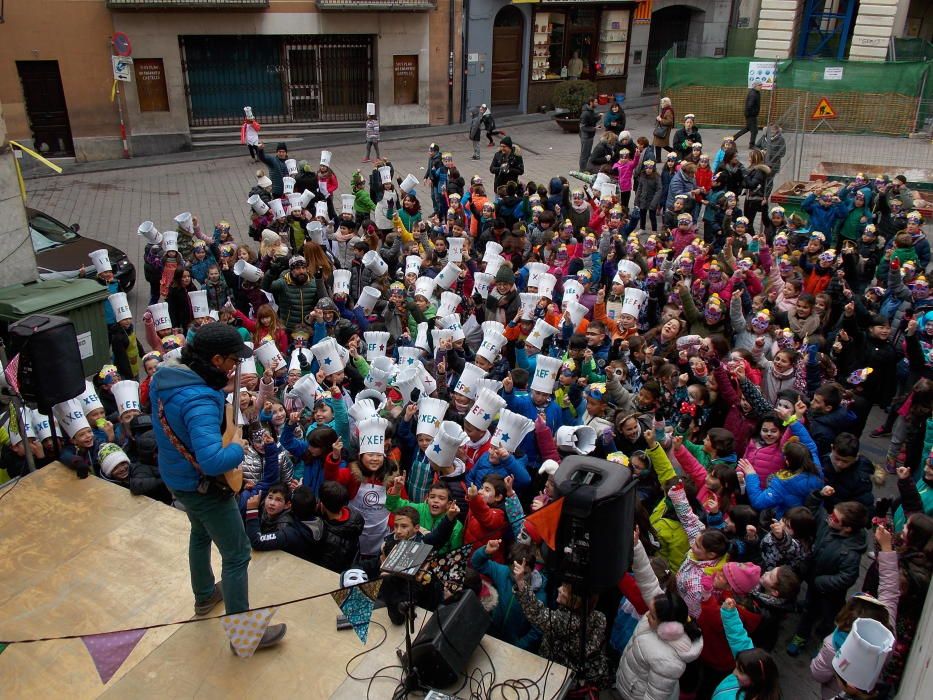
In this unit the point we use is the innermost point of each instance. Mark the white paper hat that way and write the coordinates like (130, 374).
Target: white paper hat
(185, 221)
(862, 656)
(160, 317)
(546, 370)
(535, 271)
(577, 312)
(448, 439)
(491, 251)
(494, 385)
(341, 281)
(126, 394)
(427, 380)
(378, 378)
(248, 112)
(385, 174)
(370, 108)
(291, 165)
(294, 362)
(492, 327)
(482, 281)
(368, 298)
(413, 265)
(362, 410)
(372, 435)
(305, 198)
(70, 416)
(315, 232)
(529, 302)
(346, 203)
(173, 354)
(148, 231)
(199, 306)
(248, 365)
(320, 210)
(540, 333)
(377, 398)
(546, 285)
(600, 179)
(294, 202)
(267, 353)
(421, 337)
(325, 158)
(307, 390)
(407, 380)
(455, 249)
(579, 438)
(170, 240)
(431, 412)
(630, 268)
(27, 427)
(441, 334)
(485, 409)
(120, 306)
(424, 287)
(466, 383)
(376, 344)
(409, 184)
(408, 355)
(511, 430)
(449, 304)
(573, 290)
(249, 272)
(374, 263)
(90, 401)
(491, 346)
(257, 205)
(278, 211)
(328, 355)
(214, 314)
(288, 185)
(447, 277)
(264, 182)
(452, 322)
(100, 259)
(634, 301)
(41, 424)
(493, 265)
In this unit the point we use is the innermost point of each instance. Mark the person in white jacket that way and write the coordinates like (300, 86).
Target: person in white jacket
(664, 642)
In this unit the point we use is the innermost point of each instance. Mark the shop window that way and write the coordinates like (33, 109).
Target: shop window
(581, 42)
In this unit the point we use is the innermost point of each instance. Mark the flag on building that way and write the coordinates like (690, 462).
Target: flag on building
(643, 13)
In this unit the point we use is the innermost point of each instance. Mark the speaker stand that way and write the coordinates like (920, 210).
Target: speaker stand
(410, 681)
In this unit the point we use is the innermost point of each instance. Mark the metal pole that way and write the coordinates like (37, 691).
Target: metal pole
(923, 86)
(126, 150)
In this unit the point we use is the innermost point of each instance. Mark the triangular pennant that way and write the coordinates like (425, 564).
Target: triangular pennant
(547, 520)
(371, 589)
(450, 568)
(11, 373)
(358, 608)
(110, 649)
(245, 630)
(3, 648)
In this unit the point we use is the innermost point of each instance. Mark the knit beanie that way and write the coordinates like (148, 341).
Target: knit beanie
(505, 274)
(742, 577)
(110, 455)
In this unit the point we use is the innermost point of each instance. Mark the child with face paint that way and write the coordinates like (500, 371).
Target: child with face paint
(684, 233)
(818, 276)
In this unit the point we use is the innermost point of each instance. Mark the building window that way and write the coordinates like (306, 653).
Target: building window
(580, 43)
(150, 85)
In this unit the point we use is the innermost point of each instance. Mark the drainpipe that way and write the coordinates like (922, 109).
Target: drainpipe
(464, 65)
(450, 66)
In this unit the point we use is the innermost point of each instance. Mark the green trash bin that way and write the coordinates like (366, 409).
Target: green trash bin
(80, 301)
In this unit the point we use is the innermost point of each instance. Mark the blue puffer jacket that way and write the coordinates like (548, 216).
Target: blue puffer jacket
(823, 219)
(785, 490)
(195, 412)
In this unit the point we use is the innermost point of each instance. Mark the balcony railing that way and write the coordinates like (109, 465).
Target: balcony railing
(187, 4)
(378, 5)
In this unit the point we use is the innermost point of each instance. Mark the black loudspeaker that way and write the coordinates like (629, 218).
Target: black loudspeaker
(594, 538)
(50, 366)
(442, 649)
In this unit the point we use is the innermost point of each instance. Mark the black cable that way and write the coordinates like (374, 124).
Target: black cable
(7, 490)
(385, 636)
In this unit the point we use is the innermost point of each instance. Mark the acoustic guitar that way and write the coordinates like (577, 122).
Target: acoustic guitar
(234, 477)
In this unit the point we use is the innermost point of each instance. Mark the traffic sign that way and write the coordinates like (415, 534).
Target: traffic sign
(121, 44)
(823, 110)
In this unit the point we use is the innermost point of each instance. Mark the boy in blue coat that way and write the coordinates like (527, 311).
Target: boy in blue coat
(498, 460)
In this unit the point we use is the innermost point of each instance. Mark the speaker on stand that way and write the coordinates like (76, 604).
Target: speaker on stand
(50, 366)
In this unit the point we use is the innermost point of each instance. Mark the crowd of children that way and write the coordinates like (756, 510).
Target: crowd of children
(423, 376)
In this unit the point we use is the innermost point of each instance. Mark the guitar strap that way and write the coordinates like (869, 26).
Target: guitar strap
(205, 483)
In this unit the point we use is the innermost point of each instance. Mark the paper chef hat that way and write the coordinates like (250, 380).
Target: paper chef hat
(248, 272)
(528, 304)
(424, 287)
(288, 185)
(511, 430)
(573, 290)
(307, 390)
(170, 241)
(346, 203)
(492, 327)
(579, 438)
(491, 346)
(494, 385)
(90, 401)
(546, 370)
(70, 416)
(185, 221)
(546, 285)
(100, 259)
(374, 263)
(362, 410)
(372, 435)
(16, 436)
(577, 312)
(494, 264)
(427, 380)
(328, 356)
(385, 174)
(431, 412)
(148, 231)
(408, 355)
(305, 199)
(370, 109)
(452, 323)
(421, 337)
(126, 394)
(120, 306)
(199, 306)
(278, 211)
(441, 334)
(325, 158)
(409, 184)
(482, 281)
(466, 384)
(320, 210)
(540, 333)
(257, 205)
(449, 304)
(535, 271)
(294, 363)
(447, 277)
(485, 408)
(368, 298)
(41, 425)
(863, 654)
(376, 344)
(455, 249)
(267, 353)
(634, 301)
(380, 374)
(294, 201)
(315, 232)
(407, 380)
(600, 179)
(447, 440)
(413, 265)
(291, 165)
(491, 251)
(248, 112)
(160, 317)
(341, 281)
(248, 366)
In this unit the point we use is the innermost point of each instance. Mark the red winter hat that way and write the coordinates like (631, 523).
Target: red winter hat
(742, 578)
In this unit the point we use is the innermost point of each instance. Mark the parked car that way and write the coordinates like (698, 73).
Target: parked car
(61, 252)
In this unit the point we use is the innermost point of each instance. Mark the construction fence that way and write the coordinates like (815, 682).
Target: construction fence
(894, 99)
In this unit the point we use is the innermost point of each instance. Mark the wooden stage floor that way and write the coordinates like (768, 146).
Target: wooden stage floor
(85, 557)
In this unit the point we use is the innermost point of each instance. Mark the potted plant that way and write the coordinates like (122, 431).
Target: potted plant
(569, 97)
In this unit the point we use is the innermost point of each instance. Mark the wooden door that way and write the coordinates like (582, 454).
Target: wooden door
(507, 57)
(45, 107)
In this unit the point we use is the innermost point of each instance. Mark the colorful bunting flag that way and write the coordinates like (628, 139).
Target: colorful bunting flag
(109, 650)
(3, 648)
(357, 604)
(546, 521)
(450, 568)
(245, 630)
(10, 372)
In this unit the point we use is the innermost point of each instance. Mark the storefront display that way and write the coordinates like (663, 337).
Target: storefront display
(579, 42)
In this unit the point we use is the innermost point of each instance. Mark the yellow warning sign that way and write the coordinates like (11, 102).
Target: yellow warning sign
(823, 110)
